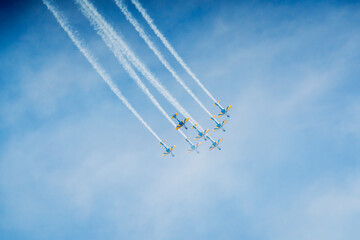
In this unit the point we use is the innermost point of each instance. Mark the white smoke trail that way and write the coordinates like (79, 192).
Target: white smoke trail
(151, 45)
(128, 68)
(83, 49)
(169, 46)
(102, 25)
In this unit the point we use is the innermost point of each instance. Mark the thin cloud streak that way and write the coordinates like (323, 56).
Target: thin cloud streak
(107, 28)
(104, 75)
(170, 47)
(158, 54)
(100, 27)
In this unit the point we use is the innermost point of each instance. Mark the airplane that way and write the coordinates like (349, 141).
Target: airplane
(215, 144)
(200, 133)
(192, 146)
(168, 150)
(181, 123)
(223, 111)
(218, 124)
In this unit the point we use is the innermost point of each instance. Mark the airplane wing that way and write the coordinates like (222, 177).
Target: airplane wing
(169, 150)
(217, 128)
(216, 144)
(196, 146)
(221, 125)
(225, 111)
(220, 114)
(202, 134)
(182, 123)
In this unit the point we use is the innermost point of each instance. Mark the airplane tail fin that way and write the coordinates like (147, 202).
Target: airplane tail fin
(194, 126)
(218, 142)
(172, 149)
(227, 109)
(217, 104)
(174, 116)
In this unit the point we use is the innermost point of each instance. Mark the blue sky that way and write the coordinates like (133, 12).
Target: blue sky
(75, 164)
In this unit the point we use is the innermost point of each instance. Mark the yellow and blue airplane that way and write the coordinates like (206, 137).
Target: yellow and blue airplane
(193, 147)
(215, 144)
(218, 124)
(181, 123)
(168, 150)
(223, 111)
(200, 133)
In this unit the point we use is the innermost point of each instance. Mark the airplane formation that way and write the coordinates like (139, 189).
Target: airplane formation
(134, 66)
(200, 134)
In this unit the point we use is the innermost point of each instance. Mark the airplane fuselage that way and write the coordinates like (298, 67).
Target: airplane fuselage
(169, 152)
(200, 134)
(218, 125)
(193, 146)
(181, 123)
(167, 149)
(215, 144)
(223, 111)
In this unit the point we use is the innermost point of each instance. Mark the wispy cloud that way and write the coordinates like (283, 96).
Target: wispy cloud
(289, 165)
